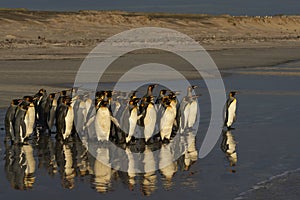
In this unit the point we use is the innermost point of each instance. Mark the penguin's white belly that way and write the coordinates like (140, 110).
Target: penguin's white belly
(184, 118)
(193, 113)
(173, 105)
(69, 122)
(149, 121)
(80, 120)
(166, 123)
(132, 122)
(102, 124)
(88, 104)
(29, 121)
(231, 113)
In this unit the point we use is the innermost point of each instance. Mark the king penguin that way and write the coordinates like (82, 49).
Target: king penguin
(188, 109)
(29, 117)
(144, 103)
(19, 122)
(149, 119)
(41, 97)
(230, 109)
(159, 99)
(80, 115)
(167, 120)
(65, 118)
(50, 109)
(103, 121)
(133, 118)
(9, 117)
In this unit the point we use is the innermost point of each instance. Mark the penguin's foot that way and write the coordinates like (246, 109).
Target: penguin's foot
(120, 140)
(165, 141)
(128, 140)
(191, 129)
(149, 141)
(68, 139)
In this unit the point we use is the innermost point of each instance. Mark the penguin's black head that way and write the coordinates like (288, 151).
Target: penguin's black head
(74, 89)
(52, 95)
(163, 92)
(134, 101)
(42, 91)
(109, 93)
(28, 99)
(166, 99)
(152, 86)
(172, 95)
(149, 99)
(63, 93)
(194, 86)
(232, 93)
(37, 95)
(24, 105)
(16, 102)
(100, 94)
(67, 100)
(104, 103)
(133, 94)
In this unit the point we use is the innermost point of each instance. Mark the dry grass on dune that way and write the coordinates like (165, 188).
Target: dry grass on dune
(23, 28)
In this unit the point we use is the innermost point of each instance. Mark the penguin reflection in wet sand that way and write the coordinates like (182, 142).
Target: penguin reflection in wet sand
(230, 107)
(65, 118)
(228, 146)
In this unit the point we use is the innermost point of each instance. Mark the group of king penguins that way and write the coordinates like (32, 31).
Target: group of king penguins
(36, 113)
(127, 117)
(112, 115)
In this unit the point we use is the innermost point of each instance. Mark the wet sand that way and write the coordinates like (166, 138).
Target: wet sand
(22, 76)
(267, 145)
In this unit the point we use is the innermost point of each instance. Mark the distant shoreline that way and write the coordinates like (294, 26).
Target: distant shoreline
(137, 13)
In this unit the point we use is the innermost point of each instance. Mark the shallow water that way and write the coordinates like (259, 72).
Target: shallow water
(267, 144)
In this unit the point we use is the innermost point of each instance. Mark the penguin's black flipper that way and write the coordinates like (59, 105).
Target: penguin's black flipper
(23, 127)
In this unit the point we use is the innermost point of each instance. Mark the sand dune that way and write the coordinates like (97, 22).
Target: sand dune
(23, 28)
